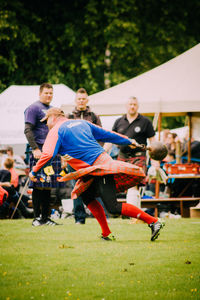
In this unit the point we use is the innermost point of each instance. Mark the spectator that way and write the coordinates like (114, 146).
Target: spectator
(36, 133)
(9, 165)
(19, 163)
(82, 111)
(195, 148)
(171, 142)
(140, 128)
(13, 195)
(3, 197)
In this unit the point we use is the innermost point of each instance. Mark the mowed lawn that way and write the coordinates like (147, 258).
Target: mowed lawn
(71, 262)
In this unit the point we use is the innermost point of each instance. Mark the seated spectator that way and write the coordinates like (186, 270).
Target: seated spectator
(13, 195)
(171, 142)
(9, 165)
(195, 150)
(19, 163)
(3, 195)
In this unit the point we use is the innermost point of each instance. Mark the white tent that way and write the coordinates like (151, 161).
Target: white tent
(173, 87)
(13, 102)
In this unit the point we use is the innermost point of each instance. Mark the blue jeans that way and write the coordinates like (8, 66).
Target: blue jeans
(79, 210)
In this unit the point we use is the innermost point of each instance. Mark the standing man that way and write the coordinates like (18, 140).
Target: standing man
(96, 171)
(81, 111)
(140, 128)
(36, 133)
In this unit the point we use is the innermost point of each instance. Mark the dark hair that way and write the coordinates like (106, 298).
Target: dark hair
(45, 85)
(82, 91)
(172, 153)
(174, 135)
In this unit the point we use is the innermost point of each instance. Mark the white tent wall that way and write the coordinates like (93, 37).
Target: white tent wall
(196, 126)
(13, 102)
(173, 87)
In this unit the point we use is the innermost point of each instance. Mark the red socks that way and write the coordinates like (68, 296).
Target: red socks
(98, 212)
(130, 210)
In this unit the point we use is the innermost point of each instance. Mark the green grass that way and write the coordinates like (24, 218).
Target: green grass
(71, 262)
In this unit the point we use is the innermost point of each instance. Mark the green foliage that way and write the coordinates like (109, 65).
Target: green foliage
(71, 262)
(16, 43)
(65, 41)
(173, 122)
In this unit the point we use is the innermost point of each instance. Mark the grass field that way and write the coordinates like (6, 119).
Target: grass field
(71, 262)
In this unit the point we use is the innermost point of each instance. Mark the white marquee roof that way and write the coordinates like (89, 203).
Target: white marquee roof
(173, 87)
(13, 102)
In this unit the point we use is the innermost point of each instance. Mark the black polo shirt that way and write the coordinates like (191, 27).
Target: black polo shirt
(140, 129)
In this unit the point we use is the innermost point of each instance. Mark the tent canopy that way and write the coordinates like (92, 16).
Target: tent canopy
(13, 102)
(173, 87)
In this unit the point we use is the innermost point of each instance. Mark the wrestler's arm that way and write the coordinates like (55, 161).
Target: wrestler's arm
(104, 135)
(49, 151)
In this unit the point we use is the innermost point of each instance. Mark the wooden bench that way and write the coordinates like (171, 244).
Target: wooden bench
(184, 203)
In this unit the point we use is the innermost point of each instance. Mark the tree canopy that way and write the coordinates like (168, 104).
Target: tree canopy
(66, 41)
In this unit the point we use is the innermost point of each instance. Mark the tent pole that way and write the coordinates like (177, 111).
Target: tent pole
(159, 125)
(157, 185)
(190, 136)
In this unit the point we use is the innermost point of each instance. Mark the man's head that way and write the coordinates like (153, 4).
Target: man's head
(81, 99)
(46, 93)
(52, 116)
(132, 106)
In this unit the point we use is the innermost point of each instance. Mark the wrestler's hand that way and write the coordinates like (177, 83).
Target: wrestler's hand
(134, 144)
(62, 179)
(32, 177)
(37, 153)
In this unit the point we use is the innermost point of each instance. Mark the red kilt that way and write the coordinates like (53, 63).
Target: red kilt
(139, 161)
(126, 175)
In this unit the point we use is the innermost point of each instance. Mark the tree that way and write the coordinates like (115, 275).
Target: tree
(65, 41)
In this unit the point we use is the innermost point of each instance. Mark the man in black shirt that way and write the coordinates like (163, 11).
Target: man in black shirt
(137, 127)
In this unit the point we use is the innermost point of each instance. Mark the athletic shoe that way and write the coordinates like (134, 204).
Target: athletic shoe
(109, 237)
(155, 229)
(49, 222)
(37, 222)
(80, 223)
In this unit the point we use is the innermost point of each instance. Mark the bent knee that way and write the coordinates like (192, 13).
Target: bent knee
(115, 210)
